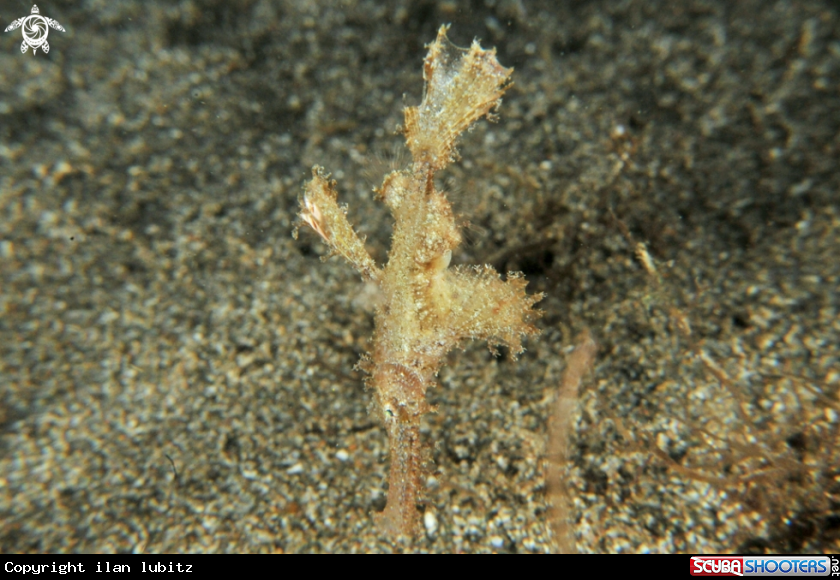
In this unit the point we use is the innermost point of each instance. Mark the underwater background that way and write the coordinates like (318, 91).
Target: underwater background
(177, 374)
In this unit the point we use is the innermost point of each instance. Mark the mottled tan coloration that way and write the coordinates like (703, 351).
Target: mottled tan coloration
(457, 94)
(559, 448)
(427, 308)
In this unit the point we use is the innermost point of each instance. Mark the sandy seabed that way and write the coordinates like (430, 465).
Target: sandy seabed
(177, 374)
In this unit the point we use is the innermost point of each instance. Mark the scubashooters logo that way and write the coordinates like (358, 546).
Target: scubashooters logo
(35, 30)
(763, 566)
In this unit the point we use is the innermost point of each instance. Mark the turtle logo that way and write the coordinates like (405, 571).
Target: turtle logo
(35, 30)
